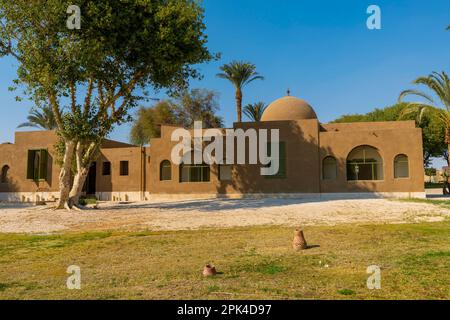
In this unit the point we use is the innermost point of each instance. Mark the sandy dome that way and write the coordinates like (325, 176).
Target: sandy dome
(288, 108)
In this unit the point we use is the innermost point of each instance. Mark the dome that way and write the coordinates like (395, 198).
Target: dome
(288, 108)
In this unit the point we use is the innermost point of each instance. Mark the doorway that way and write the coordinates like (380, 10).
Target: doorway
(91, 180)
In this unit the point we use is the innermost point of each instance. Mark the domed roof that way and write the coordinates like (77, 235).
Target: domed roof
(288, 108)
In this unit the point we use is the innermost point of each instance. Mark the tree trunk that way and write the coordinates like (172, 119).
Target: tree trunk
(77, 187)
(446, 189)
(85, 155)
(64, 176)
(239, 104)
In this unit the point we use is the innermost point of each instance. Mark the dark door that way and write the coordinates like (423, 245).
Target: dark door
(91, 180)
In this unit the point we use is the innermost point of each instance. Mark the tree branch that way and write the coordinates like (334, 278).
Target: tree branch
(56, 111)
(73, 92)
(124, 90)
(87, 101)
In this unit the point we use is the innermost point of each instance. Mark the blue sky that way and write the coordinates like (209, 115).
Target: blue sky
(321, 50)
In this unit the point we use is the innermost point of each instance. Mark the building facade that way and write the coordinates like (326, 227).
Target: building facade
(316, 160)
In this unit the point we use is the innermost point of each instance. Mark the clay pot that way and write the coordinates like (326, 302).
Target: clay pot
(209, 271)
(299, 242)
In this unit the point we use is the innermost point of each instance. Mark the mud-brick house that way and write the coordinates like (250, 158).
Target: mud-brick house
(316, 160)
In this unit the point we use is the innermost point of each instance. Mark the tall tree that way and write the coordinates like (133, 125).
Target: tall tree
(148, 121)
(432, 127)
(189, 106)
(239, 74)
(439, 85)
(40, 117)
(198, 105)
(254, 111)
(122, 46)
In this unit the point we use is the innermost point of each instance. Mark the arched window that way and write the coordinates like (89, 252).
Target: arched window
(165, 171)
(401, 166)
(4, 177)
(329, 168)
(364, 163)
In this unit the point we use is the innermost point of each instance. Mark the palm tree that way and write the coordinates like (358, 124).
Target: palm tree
(439, 84)
(239, 74)
(42, 118)
(254, 111)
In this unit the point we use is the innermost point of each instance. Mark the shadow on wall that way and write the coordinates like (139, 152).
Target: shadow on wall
(103, 179)
(8, 187)
(304, 170)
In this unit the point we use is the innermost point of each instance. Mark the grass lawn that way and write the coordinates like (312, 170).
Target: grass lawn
(439, 202)
(431, 185)
(255, 263)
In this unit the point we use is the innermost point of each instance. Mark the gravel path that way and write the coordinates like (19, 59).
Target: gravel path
(182, 215)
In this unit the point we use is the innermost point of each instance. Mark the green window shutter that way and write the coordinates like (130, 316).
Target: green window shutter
(30, 165)
(281, 158)
(282, 171)
(43, 165)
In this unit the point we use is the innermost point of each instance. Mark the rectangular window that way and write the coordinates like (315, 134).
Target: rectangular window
(106, 170)
(123, 168)
(225, 172)
(194, 173)
(281, 158)
(37, 165)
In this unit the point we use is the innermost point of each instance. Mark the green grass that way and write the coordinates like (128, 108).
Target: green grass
(346, 292)
(252, 262)
(87, 201)
(431, 185)
(429, 201)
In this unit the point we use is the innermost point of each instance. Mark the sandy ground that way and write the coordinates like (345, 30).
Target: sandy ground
(182, 215)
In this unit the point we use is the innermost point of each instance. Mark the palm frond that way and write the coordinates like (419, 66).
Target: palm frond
(239, 73)
(415, 108)
(406, 93)
(27, 125)
(255, 111)
(438, 83)
(41, 117)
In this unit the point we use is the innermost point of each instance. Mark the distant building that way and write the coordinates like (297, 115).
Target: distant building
(316, 160)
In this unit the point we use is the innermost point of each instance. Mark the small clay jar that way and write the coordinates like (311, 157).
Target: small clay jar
(299, 242)
(209, 271)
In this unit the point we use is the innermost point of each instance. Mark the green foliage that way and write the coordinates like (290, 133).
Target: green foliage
(239, 73)
(122, 45)
(430, 172)
(254, 111)
(187, 107)
(87, 201)
(148, 120)
(391, 113)
(158, 40)
(198, 105)
(346, 292)
(433, 128)
(439, 85)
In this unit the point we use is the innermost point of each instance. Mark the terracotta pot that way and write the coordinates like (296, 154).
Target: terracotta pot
(209, 271)
(299, 242)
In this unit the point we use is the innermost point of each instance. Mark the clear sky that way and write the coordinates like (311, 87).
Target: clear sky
(321, 50)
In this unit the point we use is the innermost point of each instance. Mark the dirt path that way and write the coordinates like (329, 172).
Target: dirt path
(180, 215)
